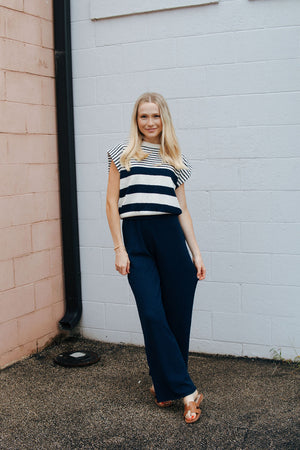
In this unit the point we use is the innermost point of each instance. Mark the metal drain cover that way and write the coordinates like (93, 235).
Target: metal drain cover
(77, 359)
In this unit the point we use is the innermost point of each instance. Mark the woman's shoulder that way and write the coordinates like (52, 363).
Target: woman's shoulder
(118, 149)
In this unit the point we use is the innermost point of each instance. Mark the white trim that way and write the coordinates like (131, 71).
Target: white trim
(104, 9)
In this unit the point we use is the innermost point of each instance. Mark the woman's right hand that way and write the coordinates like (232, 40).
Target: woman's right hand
(122, 262)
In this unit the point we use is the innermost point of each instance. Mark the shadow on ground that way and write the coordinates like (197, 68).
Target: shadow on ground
(248, 404)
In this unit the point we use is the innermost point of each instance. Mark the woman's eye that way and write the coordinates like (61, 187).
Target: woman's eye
(157, 116)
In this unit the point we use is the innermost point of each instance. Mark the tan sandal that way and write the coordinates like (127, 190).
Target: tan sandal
(160, 404)
(193, 408)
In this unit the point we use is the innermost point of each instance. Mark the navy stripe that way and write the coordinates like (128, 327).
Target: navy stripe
(150, 207)
(149, 171)
(147, 189)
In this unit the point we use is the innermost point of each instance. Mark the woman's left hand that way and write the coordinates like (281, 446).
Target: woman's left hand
(199, 264)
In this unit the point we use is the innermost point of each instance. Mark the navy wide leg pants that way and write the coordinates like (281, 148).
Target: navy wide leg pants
(163, 279)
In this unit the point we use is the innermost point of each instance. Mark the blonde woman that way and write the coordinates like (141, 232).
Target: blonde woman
(146, 190)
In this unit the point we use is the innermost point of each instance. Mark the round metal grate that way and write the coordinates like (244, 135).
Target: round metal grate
(77, 359)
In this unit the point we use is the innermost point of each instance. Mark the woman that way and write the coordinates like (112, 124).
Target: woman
(146, 190)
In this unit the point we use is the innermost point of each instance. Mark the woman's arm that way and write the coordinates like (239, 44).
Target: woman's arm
(112, 212)
(188, 230)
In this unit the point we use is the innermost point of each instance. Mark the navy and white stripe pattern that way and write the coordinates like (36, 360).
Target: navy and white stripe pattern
(149, 187)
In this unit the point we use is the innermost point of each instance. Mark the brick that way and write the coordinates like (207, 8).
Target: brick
(56, 261)
(286, 332)
(108, 60)
(22, 27)
(43, 178)
(203, 50)
(24, 88)
(32, 268)
(285, 270)
(283, 206)
(109, 262)
(53, 205)
(273, 174)
(268, 109)
(149, 55)
(84, 90)
(132, 29)
(270, 238)
(241, 267)
(41, 119)
(93, 233)
(209, 112)
(46, 235)
(89, 205)
(90, 178)
(6, 275)
(16, 302)
(91, 260)
(268, 44)
(257, 351)
(86, 149)
(58, 311)
(215, 175)
(81, 11)
(241, 206)
(254, 142)
(87, 119)
(215, 347)
(216, 236)
(28, 208)
(47, 34)
(12, 4)
(198, 204)
(17, 354)
(253, 77)
(84, 63)
(43, 293)
(270, 300)
(48, 91)
(30, 148)
(219, 297)
(201, 325)
(15, 241)
(243, 328)
(35, 325)
(58, 289)
(109, 289)
(8, 336)
(83, 34)
(46, 340)
(40, 8)
(2, 85)
(13, 117)
(113, 336)
(22, 57)
(122, 318)
(93, 315)
(194, 143)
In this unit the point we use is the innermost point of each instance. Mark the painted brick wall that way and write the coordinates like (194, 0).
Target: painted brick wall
(230, 72)
(31, 293)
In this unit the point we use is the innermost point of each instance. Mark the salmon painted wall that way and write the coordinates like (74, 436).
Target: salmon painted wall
(31, 276)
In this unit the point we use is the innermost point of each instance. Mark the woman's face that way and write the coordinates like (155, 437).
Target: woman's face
(149, 122)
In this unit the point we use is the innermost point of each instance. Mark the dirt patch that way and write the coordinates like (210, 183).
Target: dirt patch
(248, 404)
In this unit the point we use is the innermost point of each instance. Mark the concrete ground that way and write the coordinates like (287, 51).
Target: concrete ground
(248, 404)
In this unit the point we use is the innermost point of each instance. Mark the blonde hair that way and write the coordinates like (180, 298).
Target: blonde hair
(169, 147)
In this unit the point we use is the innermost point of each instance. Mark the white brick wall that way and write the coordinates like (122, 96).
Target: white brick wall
(230, 72)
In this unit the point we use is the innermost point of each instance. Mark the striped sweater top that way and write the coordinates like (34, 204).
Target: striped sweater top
(148, 188)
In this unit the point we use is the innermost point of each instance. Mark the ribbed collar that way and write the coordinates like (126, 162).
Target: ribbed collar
(150, 146)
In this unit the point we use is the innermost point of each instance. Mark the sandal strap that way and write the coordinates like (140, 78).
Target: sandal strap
(192, 408)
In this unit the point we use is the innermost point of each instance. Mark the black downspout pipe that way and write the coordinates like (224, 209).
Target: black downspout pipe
(67, 167)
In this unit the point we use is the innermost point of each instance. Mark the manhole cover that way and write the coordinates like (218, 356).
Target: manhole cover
(76, 359)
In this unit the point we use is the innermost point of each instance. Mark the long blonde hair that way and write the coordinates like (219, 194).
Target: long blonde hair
(169, 147)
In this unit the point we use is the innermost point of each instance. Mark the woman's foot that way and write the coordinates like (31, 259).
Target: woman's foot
(160, 404)
(191, 407)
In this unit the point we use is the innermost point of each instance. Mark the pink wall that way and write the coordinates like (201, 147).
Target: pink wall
(31, 277)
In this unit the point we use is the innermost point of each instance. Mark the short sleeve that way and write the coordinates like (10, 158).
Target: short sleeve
(114, 155)
(183, 174)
